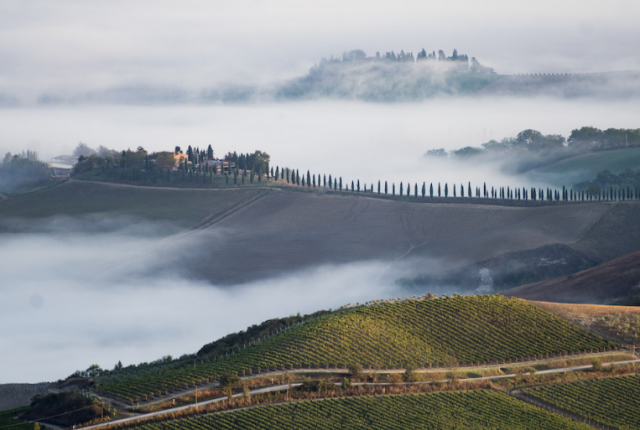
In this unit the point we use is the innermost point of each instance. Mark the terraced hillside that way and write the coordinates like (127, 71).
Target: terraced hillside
(420, 333)
(299, 230)
(613, 402)
(469, 410)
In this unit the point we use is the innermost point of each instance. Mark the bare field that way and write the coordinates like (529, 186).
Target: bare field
(185, 207)
(288, 231)
(607, 283)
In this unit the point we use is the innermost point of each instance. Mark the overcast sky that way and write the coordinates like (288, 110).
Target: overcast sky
(78, 46)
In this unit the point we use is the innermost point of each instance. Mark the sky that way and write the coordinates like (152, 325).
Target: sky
(56, 318)
(74, 47)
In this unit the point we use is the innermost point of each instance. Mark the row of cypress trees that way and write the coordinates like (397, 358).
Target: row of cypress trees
(292, 176)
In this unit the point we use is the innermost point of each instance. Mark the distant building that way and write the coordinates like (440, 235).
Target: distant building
(59, 170)
(68, 160)
(221, 166)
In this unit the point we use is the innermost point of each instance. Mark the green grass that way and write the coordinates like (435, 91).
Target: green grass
(184, 206)
(420, 333)
(454, 410)
(613, 402)
(586, 167)
(9, 423)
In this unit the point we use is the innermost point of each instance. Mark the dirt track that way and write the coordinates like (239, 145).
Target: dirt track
(289, 231)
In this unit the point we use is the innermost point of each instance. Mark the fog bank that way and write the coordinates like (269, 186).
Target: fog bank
(348, 139)
(65, 307)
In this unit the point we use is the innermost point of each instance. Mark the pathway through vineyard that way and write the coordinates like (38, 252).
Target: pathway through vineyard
(283, 387)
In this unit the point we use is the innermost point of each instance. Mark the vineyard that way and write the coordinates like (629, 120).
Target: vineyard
(469, 410)
(422, 332)
(613, 402)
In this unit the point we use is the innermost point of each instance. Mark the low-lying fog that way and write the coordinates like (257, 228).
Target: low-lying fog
(68, 302)
(369, 142)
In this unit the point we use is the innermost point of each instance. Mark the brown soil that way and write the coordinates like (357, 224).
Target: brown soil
(607, 283)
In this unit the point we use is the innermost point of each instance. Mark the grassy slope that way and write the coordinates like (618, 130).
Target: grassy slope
(417, 332)
(586, 167)
(187, 207)
(602, 320)
(613, 402)
(469, 410)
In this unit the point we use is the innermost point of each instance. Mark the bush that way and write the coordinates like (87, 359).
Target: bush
(229, 379)
(355, 370)
(346, 383)
(596, 366)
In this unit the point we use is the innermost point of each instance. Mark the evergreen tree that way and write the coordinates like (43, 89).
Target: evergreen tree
(439, 193)
(358, 185)
(314, 181)
(330, 182)
(303, 181)
(210, 153)
(453, 187)
(393, 189)
(308, 179)
(400, 189)
(485, 189)
(446, 190)
(298, 177)
(469, 193)
(352, 186)
(424, 189)
(324, 181)
(415, 191)
(431, 190)
(385, 188)
(378, 186)
(461, 190)
(277, 173)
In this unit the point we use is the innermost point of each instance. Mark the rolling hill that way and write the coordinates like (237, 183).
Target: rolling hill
(610, 282)
(585, 167)
(420, 332)
(299, 230)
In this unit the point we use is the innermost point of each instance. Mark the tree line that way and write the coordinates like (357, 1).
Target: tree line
(584, 139)
(292, 176)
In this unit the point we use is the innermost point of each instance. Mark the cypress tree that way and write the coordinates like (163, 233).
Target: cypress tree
(461, 190)
(401, 189)
(330, 182)
(298, 177)
(324, 180)
(358, 185)
(431, 190)
(415, 190)
(277, 175)
(446, 190)
(303, 181)
(385, 188)
(470, 190)
(424, 189)
(340, 183)
(308, 179)
(485, 190)
(378, 186)
(393, 189)
(314, 180)
(439, 194)
(272, 175)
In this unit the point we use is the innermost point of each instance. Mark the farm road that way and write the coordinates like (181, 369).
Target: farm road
(284, 387)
